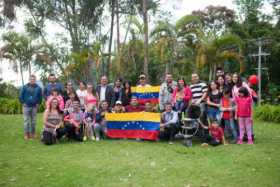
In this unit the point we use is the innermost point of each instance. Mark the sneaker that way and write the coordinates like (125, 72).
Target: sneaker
(97, 139)
(250, 142)
(204, 145)
(170, 143)
(85, 138)
(92, 138)
(33, 136)
(239, 142)
(26, 136)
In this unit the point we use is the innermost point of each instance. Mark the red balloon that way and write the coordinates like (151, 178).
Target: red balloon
(253, 79)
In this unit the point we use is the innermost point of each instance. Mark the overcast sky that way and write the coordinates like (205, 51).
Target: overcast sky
(178, 8)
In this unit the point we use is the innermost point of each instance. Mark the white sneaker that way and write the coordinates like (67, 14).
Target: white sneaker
(97, 139)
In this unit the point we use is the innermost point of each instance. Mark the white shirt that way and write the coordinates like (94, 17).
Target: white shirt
(103, 93)
(81, 94)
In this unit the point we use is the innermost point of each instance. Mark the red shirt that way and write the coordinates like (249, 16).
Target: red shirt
(130, 108)
(216, 132)
(226, 104)
(244, 106)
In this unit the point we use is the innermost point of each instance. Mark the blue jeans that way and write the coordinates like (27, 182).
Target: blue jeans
(180, 106)
(230, 128)
(29, 118)
(213, 114)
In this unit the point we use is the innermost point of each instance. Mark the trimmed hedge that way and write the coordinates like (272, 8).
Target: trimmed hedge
(268, 113)
(13, 106)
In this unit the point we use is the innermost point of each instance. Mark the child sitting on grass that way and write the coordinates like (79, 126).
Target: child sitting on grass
(216, 136)
(74, 122)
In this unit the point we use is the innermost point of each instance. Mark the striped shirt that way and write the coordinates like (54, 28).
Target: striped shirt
(198, 90)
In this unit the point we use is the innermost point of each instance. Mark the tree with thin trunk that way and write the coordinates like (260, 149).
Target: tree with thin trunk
(146, 37)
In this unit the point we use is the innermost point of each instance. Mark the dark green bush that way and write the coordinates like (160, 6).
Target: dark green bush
(13, 106)
(268, 113)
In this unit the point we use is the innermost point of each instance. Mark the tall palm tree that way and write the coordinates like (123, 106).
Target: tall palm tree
(210, 50)
(164, 39)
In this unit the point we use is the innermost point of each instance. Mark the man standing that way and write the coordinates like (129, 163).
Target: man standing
(105, 92)
(199, 95)
(143, 81)
(30, 97)
(52, 84)
(166, 90)
(169, 123)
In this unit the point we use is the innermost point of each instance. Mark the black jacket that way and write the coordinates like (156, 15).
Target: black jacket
(109, 94)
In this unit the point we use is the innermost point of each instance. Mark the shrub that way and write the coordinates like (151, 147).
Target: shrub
(268, 113)
(13, 106)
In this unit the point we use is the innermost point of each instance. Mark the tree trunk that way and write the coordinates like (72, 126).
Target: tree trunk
(146, 38)
(111, 36)
(118, 25)
(29, 68)
(21, 73)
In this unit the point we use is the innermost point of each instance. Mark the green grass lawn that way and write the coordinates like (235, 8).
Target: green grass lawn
(131, 163)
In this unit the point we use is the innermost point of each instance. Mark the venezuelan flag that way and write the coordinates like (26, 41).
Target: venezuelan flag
(143, 125)
(146, 94)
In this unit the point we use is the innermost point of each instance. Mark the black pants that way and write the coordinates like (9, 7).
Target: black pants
(70, 131)
(169, 132)
(212, 141)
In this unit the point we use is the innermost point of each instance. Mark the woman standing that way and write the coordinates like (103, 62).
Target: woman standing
(181, 96)
(213, 102)
(52, 120)
(126, 96)
(90, 99)
(238, 83)
(118, 90)
(81, 93)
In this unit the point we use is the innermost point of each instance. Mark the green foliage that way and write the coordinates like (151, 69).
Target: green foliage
(8, 90)
(10, 106)
(13, 106)
(268, 112)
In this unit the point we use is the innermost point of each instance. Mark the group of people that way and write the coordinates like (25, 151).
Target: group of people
(225, 103)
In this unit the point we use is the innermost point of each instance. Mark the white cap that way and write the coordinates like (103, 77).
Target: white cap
(118, 102)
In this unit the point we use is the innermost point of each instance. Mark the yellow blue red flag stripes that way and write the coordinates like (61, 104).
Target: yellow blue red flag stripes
(143, 125)
(146, 94)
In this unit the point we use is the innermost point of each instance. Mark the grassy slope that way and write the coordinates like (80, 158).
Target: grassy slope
(130, 163)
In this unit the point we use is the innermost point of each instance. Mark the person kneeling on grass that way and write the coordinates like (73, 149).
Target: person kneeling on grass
(169, 123)
(74, 123)
(52, 122)
(216, 136)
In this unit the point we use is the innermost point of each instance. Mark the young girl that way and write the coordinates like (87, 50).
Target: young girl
(244, 114)
(213, 102)
(55, 94)
(89, 120)
(227, 109)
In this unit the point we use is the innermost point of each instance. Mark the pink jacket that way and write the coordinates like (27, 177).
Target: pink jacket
(244, 106)
(60, 101)
(187, 95)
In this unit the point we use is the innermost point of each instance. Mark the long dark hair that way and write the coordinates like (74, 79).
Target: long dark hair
(244, 91)
(239, 81)
(57, 107)
(124, 83)
(209, 86)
